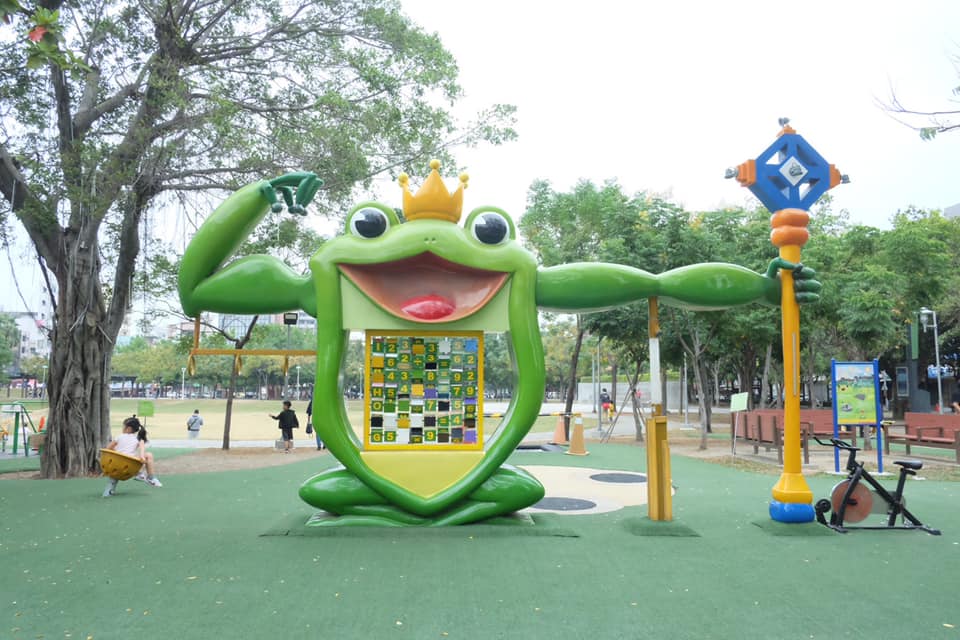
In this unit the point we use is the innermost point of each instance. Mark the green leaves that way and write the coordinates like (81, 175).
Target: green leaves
(45, 39)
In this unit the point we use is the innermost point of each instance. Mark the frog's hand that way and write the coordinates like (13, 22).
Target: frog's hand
(256, 284)
(805, 284)
(595, 286)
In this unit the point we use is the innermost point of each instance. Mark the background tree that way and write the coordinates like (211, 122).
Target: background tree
(169, 97)
(567, 227)
(928, 123)
(9, 344)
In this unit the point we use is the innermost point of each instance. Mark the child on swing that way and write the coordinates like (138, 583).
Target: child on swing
(133, 442)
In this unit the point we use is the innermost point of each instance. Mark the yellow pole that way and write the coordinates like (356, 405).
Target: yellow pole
(792, 496)
(659, 499)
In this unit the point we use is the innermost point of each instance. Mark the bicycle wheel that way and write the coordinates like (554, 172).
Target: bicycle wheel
(859, 503)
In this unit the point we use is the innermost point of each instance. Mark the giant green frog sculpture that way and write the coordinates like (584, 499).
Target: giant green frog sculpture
(429, 274)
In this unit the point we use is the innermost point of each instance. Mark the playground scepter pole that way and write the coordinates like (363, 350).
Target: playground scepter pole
(788, 177)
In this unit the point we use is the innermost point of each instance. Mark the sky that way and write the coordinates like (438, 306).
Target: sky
(664, 96)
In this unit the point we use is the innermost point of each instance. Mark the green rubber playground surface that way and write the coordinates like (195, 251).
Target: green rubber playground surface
(20, 462)
(225, 555)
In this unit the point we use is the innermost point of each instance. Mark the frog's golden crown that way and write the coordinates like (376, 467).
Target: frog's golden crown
(433, 200)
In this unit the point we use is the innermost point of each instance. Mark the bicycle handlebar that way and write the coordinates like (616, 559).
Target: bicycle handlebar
(839, 444)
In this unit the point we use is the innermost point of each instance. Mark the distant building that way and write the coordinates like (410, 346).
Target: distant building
(34, 337)
(234, 324)
(238, 324)
(304, 321)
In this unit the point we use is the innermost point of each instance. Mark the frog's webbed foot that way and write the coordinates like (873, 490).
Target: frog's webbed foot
(297, 190)
(506, 491)
(348, 520)
(342, 494)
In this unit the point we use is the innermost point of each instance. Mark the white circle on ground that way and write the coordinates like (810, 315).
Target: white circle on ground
(575, 482)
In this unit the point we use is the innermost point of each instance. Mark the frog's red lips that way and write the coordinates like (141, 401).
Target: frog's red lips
(425, 288)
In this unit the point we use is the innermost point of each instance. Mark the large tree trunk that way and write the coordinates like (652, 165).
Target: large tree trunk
(79, 376)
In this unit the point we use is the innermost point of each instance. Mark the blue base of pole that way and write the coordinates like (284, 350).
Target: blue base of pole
(791, 511)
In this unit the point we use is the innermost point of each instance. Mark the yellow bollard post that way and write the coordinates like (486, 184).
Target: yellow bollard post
(577, 445)
(659, 498)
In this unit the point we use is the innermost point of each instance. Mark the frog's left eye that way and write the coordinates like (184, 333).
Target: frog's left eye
(490, 228)
(369, 223)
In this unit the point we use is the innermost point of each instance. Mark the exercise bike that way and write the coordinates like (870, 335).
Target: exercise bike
(851, 501)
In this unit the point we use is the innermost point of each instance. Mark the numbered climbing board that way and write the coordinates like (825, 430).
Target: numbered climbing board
(423, 391)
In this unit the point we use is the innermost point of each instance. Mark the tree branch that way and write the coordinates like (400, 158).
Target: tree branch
(24, 205)
(87, 115)
(127, 254)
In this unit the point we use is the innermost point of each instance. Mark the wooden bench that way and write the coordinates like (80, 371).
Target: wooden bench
(757, 429)
(764, 428)
(929, 430)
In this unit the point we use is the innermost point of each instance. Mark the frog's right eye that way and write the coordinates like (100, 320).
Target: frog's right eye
(369, 223)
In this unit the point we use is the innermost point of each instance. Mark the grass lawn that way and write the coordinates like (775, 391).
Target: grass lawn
(225, 555)
(250, 419)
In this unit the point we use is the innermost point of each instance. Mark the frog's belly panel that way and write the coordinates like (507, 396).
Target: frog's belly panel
(423, 473)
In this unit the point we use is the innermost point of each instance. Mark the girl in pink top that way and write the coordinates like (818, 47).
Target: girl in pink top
(133, 442)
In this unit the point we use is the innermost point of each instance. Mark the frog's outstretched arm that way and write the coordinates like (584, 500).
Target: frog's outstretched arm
(592, 286)
(254, 284)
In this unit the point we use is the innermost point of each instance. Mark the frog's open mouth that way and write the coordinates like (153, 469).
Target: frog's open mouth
(425, 287)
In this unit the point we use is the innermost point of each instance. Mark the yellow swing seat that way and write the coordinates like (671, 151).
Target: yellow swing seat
(119, 466)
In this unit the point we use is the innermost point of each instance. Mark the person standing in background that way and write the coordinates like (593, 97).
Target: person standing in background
(320, 445)
(287, 420)
(194, 423)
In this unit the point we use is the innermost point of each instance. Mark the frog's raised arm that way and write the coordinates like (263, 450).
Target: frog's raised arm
(593, 286)
(253, 284)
